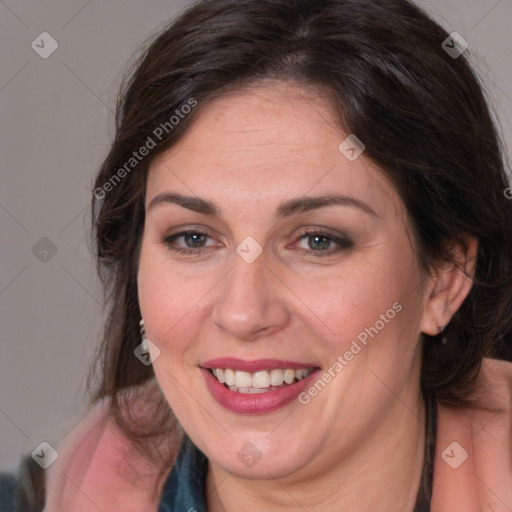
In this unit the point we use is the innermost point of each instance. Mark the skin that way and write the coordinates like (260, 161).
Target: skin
(360, 442)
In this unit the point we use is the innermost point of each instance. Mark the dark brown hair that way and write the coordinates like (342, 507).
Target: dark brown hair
(420, 112)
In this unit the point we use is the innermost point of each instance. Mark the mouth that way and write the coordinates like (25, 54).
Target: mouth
(256, 387)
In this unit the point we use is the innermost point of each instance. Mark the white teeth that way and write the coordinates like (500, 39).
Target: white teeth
(276, 378)
(219, 373)
(300, 374)
(249, 391)
(260, 381)
(289, 376)
(243, 379)
(229, 375)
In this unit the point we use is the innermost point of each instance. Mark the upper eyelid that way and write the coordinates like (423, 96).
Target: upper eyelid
(184, 232)
(322, 230)
(308, 230)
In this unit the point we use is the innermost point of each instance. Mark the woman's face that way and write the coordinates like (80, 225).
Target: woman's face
(301, 268)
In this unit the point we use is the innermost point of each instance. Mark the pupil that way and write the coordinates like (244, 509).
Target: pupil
(324, 245)
(194, 238)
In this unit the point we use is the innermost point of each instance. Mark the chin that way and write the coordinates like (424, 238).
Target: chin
(259, 459)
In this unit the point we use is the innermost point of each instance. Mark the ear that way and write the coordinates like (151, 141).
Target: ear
(449, 286)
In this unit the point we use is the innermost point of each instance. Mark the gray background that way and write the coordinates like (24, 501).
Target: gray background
(56, 123)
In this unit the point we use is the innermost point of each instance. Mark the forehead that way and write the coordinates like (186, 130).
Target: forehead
(268, 143)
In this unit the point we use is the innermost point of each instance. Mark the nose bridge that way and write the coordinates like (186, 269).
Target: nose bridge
(250, 303)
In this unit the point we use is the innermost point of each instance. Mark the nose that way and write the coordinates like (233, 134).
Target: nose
(251, 303)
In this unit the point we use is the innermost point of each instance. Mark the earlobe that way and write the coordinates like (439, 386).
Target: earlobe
(449, 286)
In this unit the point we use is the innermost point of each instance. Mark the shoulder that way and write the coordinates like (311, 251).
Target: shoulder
(98, 468)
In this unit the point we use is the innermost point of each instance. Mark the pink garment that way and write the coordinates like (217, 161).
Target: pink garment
(93, 469)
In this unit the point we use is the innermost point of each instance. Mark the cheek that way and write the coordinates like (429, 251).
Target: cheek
(370, 294)
(170, 302)
(369, 324)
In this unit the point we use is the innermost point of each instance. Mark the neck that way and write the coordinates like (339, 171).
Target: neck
(383, 473)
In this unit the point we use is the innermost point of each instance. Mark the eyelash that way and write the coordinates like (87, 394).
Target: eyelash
(344, 243)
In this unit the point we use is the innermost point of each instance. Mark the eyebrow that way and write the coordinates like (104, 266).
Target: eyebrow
(286, 209)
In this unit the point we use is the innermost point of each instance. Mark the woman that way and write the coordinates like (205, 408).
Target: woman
(302, 224)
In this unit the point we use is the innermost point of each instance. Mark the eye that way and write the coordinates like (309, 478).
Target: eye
(195, 241)
(320, 243)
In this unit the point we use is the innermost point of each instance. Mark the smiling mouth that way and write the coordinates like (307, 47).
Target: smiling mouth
(261, 381)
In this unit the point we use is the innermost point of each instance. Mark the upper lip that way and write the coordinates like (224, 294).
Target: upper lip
(254, 365)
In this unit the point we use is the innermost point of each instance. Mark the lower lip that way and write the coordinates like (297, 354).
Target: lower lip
(257, 403)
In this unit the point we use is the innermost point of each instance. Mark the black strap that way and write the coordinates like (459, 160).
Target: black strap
(425, 493)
